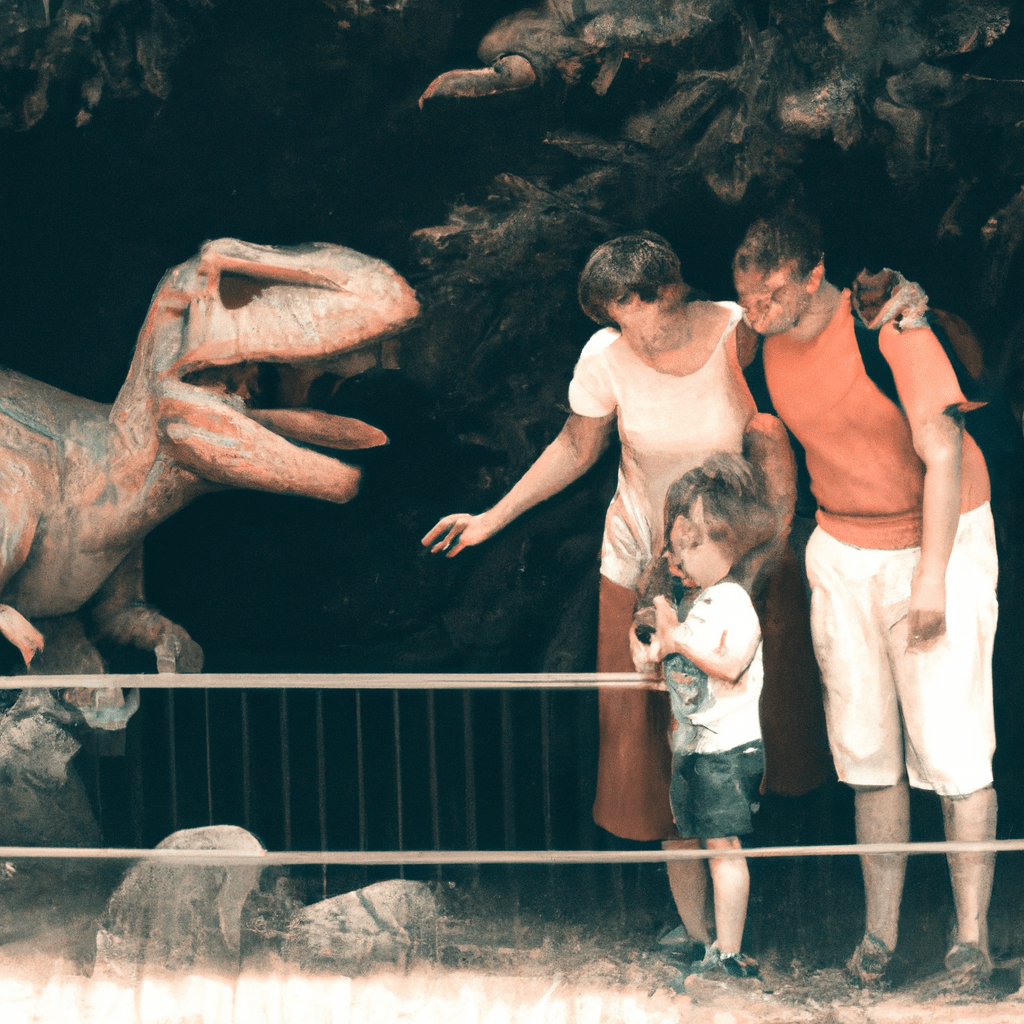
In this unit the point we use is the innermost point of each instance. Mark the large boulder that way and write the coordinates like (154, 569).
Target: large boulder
(382, 923)
(178, 918)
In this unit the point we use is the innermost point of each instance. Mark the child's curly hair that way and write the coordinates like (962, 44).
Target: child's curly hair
(736, 508)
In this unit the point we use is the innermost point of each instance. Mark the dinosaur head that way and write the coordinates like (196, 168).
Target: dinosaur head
(233, 339)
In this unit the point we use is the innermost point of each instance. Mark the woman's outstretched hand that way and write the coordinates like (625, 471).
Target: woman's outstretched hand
(455, 532)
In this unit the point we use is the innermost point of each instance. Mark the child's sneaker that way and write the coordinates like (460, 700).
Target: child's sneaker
(678, 945)
(711, 960)
(739, 965)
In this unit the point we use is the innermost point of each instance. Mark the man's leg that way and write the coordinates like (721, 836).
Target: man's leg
(967, 819)
(882, 816)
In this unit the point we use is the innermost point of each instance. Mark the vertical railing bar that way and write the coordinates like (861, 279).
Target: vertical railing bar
(470, 774)
(398, 775)
(97, 783)
(435, 807)
(172, 760)
(209, 758)
(321, 782)
(286, 772)
(508, 792)
(137, 789)
(545, 765)
(508, 771)
(360, 770)
(246, 762)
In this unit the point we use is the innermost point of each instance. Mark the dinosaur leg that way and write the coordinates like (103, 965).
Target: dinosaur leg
(69, 652)
(122, 615)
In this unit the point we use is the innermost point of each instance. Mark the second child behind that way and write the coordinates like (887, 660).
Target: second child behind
(712, 665)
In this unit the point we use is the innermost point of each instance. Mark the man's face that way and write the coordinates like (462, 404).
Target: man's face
(774, 302)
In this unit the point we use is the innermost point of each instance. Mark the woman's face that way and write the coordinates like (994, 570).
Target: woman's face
(634, 316)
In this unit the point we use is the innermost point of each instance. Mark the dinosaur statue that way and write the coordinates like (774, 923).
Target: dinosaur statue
(213, 400)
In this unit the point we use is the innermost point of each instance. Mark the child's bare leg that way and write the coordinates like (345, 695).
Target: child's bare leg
(730, 880)
(688, 880)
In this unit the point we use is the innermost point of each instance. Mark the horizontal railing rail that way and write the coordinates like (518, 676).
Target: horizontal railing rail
(430, 858)
(346, 681)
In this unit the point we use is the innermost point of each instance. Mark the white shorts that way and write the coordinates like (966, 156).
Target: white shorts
(892, 712)
(627, 546)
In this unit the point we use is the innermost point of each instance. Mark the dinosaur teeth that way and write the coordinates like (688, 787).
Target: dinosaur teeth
(312, 426)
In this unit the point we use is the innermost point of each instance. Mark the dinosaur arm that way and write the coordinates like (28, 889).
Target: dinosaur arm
(508, 74)
(122, 615)
(20, 632)
(17, 531)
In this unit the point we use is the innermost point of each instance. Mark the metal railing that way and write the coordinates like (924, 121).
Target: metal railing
(508, 749)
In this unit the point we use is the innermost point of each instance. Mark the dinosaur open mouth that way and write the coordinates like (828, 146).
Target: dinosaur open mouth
(284, 399)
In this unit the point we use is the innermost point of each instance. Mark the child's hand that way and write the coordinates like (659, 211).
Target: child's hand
(644, 660)
(666, 622)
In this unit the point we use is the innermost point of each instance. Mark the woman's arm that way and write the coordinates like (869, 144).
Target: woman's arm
(578, 446)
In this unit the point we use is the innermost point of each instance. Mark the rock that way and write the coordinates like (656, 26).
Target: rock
(827, 107)
(44, 801)
(21, 15)
(170, 917)
(384, 922)
(926, 86)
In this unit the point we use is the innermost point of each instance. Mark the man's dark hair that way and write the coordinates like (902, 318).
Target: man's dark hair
(640, 264)
(734, 500)
(772, 242)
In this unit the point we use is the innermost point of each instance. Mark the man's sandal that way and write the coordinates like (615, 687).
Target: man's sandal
(968, 965)
(869, 961)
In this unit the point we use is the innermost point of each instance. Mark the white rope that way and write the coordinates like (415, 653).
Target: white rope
(346, 681)
(434, 857)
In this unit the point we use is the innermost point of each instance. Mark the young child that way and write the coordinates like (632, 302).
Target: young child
(712, 664)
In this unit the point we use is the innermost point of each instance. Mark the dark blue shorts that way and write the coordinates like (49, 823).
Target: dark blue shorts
(715, 795)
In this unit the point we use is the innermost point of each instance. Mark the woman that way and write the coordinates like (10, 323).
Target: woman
(665, 374)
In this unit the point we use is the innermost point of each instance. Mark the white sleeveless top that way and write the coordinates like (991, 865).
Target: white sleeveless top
(667, 426)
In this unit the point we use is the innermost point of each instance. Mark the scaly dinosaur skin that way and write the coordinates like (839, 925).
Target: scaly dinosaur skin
(81, 484)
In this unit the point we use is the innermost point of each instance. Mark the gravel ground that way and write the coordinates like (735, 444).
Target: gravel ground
(551, 948)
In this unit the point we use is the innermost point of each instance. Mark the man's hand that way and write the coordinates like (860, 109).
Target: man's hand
(926, 620)
(456, 532)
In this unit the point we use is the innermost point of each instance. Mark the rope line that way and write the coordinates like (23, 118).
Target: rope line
(434, 857)
(346, 681)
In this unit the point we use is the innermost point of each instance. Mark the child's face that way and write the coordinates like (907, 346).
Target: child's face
(693, 556)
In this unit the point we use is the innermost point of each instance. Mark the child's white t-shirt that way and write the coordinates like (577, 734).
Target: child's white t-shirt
(717, 714)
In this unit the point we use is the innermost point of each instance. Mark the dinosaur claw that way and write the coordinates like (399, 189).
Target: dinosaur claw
(20, 632)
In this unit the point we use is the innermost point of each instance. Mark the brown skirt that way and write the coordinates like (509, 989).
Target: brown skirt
(634, 760)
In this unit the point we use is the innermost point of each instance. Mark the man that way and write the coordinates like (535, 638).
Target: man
(902, 493)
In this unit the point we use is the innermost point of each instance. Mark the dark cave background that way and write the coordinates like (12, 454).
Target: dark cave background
(296, 120)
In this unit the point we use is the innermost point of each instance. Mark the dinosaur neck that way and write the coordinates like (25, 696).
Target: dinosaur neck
(151, 486)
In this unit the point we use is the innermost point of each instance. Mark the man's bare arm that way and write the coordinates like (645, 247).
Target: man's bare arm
(938, 441)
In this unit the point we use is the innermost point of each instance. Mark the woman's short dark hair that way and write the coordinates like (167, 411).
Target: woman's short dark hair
(772, 242)
(640, 264)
